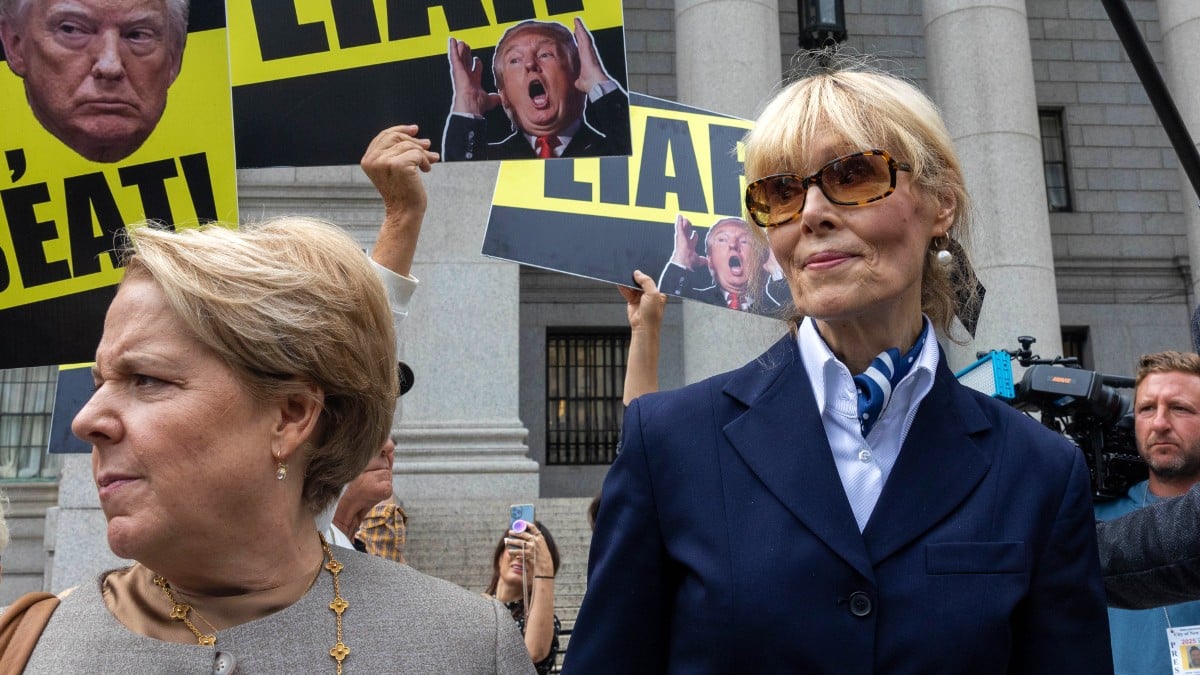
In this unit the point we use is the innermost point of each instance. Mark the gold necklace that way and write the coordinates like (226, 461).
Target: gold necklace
(180, 611)
(339, 652)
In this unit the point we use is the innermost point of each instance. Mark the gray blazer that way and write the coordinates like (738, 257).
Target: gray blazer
(1151, 557)
(398, 621)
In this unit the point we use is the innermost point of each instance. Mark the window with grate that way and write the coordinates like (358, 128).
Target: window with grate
(1054, 160)
(585, 378)
(1074, 343)
(26, 401)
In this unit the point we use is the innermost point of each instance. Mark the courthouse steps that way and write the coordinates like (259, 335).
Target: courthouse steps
(454, 539)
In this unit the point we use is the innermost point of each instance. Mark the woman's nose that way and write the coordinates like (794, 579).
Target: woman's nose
(96, 423)
(818, 212)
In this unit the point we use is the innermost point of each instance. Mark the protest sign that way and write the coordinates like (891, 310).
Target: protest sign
(673, 210)
(70, 185)
(313, 82)
(74, 388)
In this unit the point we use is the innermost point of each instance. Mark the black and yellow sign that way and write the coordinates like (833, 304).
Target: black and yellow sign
(603, 218)
(313, 82)
(59, 212)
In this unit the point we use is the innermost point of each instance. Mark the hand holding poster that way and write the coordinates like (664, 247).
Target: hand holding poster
(489, 79)
(105, 124)
(672, 210)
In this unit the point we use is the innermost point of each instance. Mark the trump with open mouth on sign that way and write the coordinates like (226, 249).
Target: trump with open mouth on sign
(560, 100)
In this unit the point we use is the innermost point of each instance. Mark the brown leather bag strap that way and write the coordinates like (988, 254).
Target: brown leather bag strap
(21, 627)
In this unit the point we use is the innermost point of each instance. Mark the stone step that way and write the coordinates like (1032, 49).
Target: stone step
(455, 540)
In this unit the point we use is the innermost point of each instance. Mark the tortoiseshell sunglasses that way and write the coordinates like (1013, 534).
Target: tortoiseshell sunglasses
(850, 180)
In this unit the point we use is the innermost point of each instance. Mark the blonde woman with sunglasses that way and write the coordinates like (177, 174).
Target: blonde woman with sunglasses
(841, 504)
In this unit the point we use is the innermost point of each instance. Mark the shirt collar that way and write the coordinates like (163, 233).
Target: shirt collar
(827, 374)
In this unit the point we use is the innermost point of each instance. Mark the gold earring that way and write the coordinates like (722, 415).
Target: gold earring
(280, 469)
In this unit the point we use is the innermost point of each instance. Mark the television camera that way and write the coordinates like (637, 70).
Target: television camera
(1083, 405)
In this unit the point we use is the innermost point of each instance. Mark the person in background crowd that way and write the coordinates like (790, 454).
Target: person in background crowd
(644, 310)
(524, 565)
(96, 72)
(791, 517)
(1151, 557)
(359, 520)
(367, 517)
(1166, 407)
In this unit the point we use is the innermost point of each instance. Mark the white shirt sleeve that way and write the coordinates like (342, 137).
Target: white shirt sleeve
(400, 289)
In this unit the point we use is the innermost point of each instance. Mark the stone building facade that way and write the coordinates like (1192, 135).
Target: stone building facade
(1029, 88)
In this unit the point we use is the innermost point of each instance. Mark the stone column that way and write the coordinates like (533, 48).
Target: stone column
(728, 60)
(76, 537)
(981, 74)
(460, 435)
(1179, 21)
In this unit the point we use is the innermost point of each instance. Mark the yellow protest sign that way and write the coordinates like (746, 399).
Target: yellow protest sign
(60, 211)
(673, 210)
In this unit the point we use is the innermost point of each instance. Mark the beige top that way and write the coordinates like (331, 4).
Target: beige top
(134, 599)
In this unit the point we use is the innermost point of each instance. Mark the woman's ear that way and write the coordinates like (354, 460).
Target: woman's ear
(299, 415)
(943, 220)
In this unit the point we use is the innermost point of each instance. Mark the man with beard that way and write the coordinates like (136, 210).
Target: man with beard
(1167, 428)
(734, 261)
(546, 77)
(96, 73)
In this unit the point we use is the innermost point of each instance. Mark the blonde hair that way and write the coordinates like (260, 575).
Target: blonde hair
(863, 108)
(287, 303)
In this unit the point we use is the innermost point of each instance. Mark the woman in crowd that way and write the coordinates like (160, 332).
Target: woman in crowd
(524, 565)
(792, 517)
(242, 379)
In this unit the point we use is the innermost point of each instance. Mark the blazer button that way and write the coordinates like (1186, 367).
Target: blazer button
(860, 603)
(224, 663)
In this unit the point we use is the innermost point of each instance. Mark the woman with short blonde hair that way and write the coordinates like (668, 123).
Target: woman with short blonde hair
(243, 377)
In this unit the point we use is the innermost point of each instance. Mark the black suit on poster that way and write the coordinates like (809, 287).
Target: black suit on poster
(604, 132)
(674, 281)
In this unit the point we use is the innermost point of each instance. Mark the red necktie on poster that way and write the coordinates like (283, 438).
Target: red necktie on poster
(734, 302)
(546, 146)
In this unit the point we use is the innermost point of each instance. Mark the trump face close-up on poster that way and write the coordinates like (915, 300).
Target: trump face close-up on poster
(113, 113)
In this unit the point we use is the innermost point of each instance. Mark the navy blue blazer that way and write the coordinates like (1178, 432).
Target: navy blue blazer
(725, 542)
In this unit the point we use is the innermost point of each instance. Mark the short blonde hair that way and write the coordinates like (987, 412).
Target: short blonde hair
(287, 303)
(864, 108)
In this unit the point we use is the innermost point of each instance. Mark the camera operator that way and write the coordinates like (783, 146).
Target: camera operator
(1167, 430)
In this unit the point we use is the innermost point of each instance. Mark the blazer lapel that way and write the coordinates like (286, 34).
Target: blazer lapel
(938, 468)
(781, 438)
